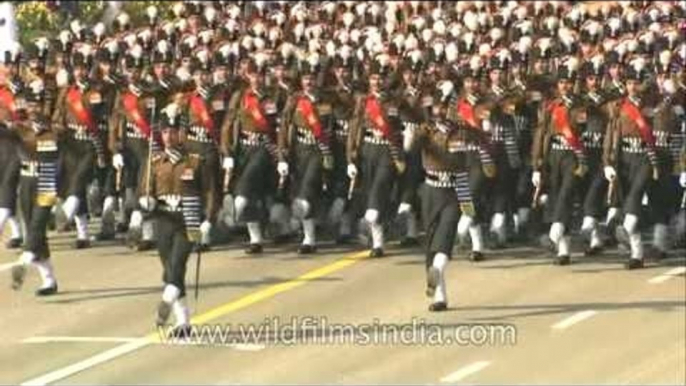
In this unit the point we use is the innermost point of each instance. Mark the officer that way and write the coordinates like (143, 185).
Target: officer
(174, 189)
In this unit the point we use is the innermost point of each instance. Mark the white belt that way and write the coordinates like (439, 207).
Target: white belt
(441, 179)
(560, 143)
(80, 132)
(132, 131)
(305, 137)
(633, 145)
(199, 134)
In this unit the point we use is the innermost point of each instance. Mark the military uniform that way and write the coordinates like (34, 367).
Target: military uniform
(558, 151)
(38, 191)
(176, 190)
(375, 144)
(249, 136)
(305, 139)
(9, 173)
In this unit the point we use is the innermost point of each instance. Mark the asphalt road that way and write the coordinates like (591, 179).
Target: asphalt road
(591, 322)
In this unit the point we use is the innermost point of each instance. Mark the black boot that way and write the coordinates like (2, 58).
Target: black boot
(82, 244)
(409, 242)
(633, 264)
(562, 260)
(376, 252)
(306, 249)
(476, 256)
(593, 251)
(253, 249)
(438, 306)
(145, 245)
(15, 243)
(47, 291)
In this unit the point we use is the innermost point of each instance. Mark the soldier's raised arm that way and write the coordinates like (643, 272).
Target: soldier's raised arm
(227, 134)
(355, 127)
(284, 132)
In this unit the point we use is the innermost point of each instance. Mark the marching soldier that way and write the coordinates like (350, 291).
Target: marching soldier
(472, 113)
(446, 193)
(38, 189)
(10, 87)
(375, 144)
(174, 188)
(82, 145)
(249, 135)
(200, 132)
(559, 152)
(305, 140)
(131, 135)
(343, 96)
(630, 157)
(597, 118)
(411, 111)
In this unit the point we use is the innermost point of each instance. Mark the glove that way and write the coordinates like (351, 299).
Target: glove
(227, 164)
(352, 171)
(536, 179)
(328, 162)
(581, 168)
(282, 168)
(610, 173)
(682, 179)
(118, 161)
(147, 203)
(400, 166)
(205, 227)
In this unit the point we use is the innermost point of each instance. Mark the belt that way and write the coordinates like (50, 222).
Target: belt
(170, 203)
(133, 131)
(559, 143)
(592, 140)
(375, 137)
(441, 179)
(662, 138)
(29, 169)
(342, 128)
(199, 134)
(253, 139)
(305, 136)
(633, 145)
(80, 132)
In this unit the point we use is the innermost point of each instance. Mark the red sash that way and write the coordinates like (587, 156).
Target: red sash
(78, 110)
(7, 101)
(466, 111)
(306, 109)
(560, 119)
(133, 113)
(199, 109)
(252, 104)
(374, 111)
(632, 111)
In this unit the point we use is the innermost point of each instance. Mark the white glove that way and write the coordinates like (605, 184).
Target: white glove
(282, 168)
(352, 170)
(62, 78)
(682, 179)
(408, 136)
(205, 227)
(147, 203)
(486, 125)
(610, 173)
(227, 164)
(536, 179)
(118, 161)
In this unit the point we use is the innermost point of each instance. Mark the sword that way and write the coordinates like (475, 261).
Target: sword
(537, 194)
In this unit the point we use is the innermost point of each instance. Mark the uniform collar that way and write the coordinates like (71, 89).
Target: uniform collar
(174, 155)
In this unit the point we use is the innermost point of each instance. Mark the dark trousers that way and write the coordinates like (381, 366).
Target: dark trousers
(76, 169)
(378, 178)
(441, 213)
(503, 193)
(174, 248)
(663, 192)
(308, 175)
(35, 217)
(477, 185)
(594, 187)
(563, 184)
(635, 173)
(256, 178)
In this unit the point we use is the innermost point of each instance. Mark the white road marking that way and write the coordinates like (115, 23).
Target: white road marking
(6, 267)
(114, 339)
(465, 372)
(667, 275)
(78, 339)
(574, 319)
(88, 363)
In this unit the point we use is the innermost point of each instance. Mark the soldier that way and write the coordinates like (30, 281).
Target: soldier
(411, 111)
(343, 93)
(505, 144)
(249, 135)
(375, 144)
(305, 140)
(38, 188)
(82, 146)
(471, 113)
(10, 87)
(174, 188)
(446, 193)
(130, 138)
(200, 132)
(630, 156)
(559, 152)
(108, 83)
(597, 118)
